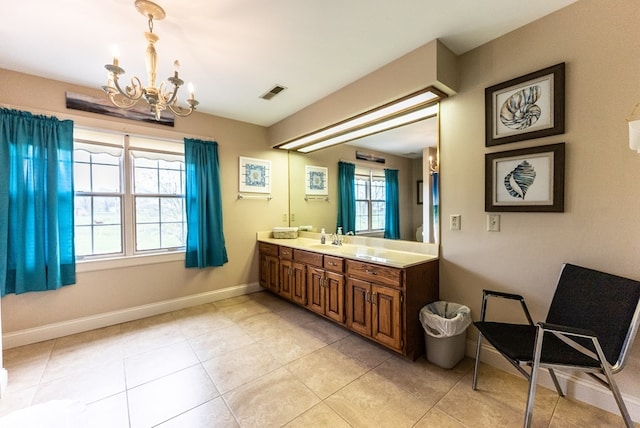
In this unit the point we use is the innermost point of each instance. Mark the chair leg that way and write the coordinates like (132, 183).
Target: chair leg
(533, 379)
(616, 394)
(474, 384)
(556, 383)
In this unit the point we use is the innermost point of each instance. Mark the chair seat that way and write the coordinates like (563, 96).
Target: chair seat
(517, 342)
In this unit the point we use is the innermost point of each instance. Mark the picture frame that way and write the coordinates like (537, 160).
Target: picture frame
(527, 107)
(525, 180)
(254, 175)
(316, 180)
(420, 193)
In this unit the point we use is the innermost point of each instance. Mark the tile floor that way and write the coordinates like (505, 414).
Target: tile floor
(259, 361)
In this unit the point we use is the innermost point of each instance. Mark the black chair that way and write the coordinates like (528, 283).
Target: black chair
(590, 327)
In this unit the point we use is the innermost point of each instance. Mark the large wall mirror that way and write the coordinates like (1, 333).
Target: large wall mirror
(407, 149)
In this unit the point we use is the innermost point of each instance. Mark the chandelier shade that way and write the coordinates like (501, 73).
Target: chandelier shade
(159, 98)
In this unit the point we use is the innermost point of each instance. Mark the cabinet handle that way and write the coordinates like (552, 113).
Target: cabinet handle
(372, 272)
(373, 298)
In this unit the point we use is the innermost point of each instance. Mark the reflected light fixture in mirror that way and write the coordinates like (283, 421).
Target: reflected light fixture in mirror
(414, 107)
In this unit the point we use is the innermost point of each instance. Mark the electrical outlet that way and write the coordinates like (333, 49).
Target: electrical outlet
(493, 222)
(293, 217)
(454, 222)
(284, 217)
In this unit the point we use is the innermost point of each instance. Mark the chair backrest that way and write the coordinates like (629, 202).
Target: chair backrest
(606, 304)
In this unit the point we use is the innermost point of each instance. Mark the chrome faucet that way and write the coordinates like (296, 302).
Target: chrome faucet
(336, 239)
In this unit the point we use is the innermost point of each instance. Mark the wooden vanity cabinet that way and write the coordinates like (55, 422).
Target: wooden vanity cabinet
(377, 301)
(374, 303)
(269, 266)
(325, 284)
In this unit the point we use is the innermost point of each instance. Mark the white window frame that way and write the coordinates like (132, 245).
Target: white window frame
(128, 143)
(370, 174)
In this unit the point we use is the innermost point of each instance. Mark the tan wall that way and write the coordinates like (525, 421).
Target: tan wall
(599, 228)
(432, 64)
(117, 289)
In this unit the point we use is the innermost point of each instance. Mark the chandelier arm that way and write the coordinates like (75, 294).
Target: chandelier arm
(133, 92)
(180, 111)
(122, 102)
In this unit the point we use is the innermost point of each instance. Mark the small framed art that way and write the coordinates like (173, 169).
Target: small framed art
(316, 180)
(525, 180)
(254, 175)
(527, 107)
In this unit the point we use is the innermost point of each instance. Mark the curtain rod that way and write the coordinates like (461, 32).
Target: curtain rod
(88, 122)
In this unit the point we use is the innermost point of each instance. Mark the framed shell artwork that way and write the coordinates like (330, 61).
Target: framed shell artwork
(529, 180)
(527, 107)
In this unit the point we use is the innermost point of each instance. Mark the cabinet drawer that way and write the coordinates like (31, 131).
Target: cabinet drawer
(335, 264)
(307, 257)
(286, 253)
(375, 273)
(268, 249)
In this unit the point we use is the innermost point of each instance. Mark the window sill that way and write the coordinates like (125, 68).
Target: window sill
(122, 262)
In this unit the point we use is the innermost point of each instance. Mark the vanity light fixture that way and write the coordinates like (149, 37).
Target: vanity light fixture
(412, 108)
(159, 97)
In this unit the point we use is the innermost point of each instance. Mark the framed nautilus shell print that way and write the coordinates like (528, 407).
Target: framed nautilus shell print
(530, 179)
(527, 107)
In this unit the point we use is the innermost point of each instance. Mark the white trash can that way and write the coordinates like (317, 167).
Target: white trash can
(445, 325)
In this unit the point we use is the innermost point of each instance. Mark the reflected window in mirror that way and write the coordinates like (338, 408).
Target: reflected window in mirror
(370, 200)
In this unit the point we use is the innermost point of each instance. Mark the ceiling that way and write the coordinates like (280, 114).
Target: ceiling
(235, 50)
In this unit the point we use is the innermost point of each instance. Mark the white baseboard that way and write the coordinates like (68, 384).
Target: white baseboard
(79, 325)
(577, 388)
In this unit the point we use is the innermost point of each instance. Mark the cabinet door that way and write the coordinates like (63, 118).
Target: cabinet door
(315, 289)
(269, 272)
(334, 296)
(359, 306)
(299, 284)
(386, 322)
(286, 278)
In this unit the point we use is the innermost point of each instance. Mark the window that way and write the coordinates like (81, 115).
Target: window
(129, 195)
(370, 200)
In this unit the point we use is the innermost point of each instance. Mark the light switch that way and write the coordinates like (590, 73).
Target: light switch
(454, 222)
(493, 222)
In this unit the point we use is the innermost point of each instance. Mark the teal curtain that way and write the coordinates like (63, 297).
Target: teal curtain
(436, 206)
(205, 236)
(37, 251)
(392, 205)
(346, 197)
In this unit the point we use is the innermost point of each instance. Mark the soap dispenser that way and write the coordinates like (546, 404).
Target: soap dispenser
(323, 238)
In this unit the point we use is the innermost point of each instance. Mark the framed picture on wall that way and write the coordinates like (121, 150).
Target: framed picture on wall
(527, 107)
(525, 180)
(316, 180)
(419, 195)
(254, 175)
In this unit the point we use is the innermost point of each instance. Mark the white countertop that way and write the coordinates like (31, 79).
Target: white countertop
(403, 254)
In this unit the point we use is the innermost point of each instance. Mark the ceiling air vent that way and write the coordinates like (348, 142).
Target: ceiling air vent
(272, 92)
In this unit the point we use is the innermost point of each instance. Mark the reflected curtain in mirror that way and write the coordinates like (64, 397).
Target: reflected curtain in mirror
(436, 207)
(392, 205)
(205, 236)
(37, 251)
(346, 197)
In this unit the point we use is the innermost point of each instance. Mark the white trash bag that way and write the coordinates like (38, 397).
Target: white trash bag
(445, 319)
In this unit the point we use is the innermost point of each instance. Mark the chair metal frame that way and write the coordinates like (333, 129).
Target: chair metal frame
(565, 334)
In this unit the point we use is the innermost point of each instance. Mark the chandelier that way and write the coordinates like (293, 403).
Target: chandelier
(160, 97)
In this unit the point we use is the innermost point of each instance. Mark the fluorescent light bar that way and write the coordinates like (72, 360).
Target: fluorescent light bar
(413, 116)
(388, 110)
